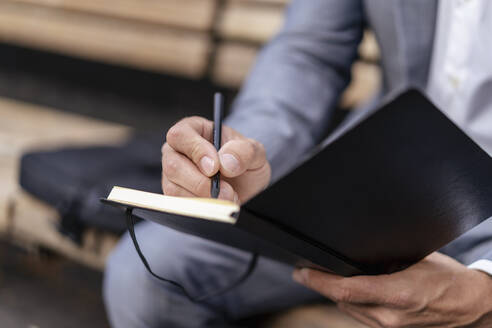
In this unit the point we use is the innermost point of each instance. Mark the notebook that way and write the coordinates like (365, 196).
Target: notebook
(391, 188)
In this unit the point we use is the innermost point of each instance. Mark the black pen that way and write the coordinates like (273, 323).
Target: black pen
(217, 136)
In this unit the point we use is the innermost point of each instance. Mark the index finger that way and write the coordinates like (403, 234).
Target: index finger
(190, 137)
(375, 290)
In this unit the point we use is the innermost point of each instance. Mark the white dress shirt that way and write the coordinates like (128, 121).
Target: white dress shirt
(460, 81)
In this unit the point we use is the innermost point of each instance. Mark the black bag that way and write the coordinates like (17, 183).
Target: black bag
(74, 179)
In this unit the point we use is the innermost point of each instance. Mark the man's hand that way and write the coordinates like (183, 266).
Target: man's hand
(437, 292)
(189, 159)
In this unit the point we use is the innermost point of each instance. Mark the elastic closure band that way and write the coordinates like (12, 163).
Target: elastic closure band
(130, 222)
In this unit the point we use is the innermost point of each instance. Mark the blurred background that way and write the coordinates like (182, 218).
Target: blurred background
(85, 77)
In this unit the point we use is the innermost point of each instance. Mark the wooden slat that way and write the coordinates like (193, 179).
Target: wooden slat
(232, 63)
(276, 2)
(234, 60)
(24, 126)
(369, 49)
(34, 224)
(9, 186)
(366, 80)
(194, 14)
(245, 20)
(145, 46)
(314, 316)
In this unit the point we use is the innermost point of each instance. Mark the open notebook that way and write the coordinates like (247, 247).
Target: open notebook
(387, 191)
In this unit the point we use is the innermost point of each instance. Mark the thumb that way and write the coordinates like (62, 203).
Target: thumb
(239, 155)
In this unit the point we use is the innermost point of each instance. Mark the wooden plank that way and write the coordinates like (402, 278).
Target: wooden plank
(369, 48)
(194, 14)
(34, 224)
(366, 80)
(276, 2)
(145, 46)
(24, 126)
(314, 316)
(249, 21)
(243, 20)
(232, 63)
(9, 186)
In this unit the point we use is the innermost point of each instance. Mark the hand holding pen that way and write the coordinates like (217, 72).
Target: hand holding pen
(190, 161)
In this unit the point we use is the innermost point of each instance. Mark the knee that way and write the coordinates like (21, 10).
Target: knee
(125, 274)
(133, 298)
(122, 287)
(121, 274)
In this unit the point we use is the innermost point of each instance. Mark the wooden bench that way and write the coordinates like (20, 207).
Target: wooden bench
(245, 25)
(170, 36)
(197, 39)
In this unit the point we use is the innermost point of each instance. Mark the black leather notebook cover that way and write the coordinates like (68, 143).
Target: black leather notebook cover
(399, 185)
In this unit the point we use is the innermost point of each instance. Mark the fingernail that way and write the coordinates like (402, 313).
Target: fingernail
(229, 162)
(207, 165)
(300, 275)
(236, 198)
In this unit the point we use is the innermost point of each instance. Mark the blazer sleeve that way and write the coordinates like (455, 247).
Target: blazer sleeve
(473, 246)
(289, 97)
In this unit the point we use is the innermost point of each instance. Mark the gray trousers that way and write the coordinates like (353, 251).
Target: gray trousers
(134, 298)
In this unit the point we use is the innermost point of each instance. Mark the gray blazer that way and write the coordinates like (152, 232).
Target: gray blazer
(289, 98)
